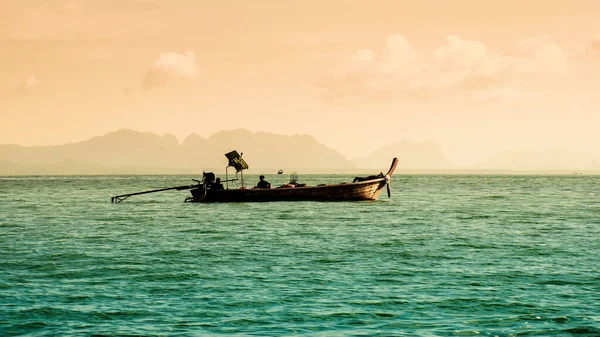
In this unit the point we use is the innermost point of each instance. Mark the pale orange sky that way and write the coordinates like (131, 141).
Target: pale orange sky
(476, 77)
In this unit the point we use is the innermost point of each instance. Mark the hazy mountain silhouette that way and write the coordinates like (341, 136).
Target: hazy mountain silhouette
(426, 155)
(128, 151)
(542, 160)
(123, 148)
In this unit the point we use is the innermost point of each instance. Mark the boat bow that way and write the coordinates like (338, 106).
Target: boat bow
(388, 176)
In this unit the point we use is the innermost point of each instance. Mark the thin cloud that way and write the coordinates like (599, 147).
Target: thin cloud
(168, 66)
(505, 94)
(595, 46)
(29, 83)
(596, 43)
(456, 67)
(540, 56)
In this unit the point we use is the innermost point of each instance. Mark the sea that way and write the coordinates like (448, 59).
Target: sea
(446, 255)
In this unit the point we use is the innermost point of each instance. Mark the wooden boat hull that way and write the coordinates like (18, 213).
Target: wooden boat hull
(367, 188)
(364, 190)
(210, 190)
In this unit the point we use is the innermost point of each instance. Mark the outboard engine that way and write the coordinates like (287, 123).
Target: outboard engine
(208, 178)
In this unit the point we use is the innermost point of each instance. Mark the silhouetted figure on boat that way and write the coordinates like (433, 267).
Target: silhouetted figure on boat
(217, 185)
(262, 183)
(211, 183)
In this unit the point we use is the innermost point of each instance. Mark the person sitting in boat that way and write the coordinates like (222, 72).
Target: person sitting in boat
(262, 183)
(217, 185)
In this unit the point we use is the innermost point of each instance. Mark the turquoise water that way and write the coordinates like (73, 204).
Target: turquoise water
(447, 255)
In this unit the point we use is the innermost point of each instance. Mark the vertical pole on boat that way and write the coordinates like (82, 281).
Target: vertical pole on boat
(236, 160)
(226, 178)
(242, 171)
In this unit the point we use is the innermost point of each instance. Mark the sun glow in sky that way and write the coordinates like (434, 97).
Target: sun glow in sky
(476, 77)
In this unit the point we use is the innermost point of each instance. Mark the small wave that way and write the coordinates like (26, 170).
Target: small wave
(21, 327)
(199, 231)
(474, 217)
(560, 282)
(10, 225)
(328, 260)
(47, 312)
(584, 330)
(77, 298)
(123, 314)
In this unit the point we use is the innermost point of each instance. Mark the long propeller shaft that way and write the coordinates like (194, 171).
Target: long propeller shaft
(119, 198)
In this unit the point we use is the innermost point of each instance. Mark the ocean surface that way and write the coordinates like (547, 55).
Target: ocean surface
(447, 255)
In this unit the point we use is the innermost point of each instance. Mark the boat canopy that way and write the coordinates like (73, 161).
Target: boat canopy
(236, 160)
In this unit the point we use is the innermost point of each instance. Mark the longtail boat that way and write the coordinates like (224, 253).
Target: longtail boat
(210, 189)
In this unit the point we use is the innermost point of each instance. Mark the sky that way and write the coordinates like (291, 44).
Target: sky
(475, 77)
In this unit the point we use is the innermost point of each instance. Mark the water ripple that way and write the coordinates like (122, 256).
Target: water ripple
(446, 256)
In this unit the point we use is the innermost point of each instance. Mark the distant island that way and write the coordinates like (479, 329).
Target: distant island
(132, 152)
(415, 156)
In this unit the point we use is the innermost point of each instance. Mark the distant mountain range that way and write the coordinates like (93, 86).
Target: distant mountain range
(412, 155)
(127, 151)
(132, 152)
